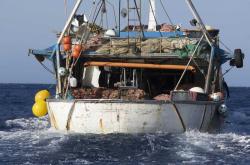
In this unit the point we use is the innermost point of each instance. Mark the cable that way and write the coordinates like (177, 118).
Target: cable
(170, 20)
(139, 17)
(65, 7)
(226, 47)
(188, 64)
(116, 24)
(46, 68)
(95, 10)
(227, 71)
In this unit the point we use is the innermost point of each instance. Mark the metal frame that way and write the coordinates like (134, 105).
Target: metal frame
(193, 10)
(67, 25)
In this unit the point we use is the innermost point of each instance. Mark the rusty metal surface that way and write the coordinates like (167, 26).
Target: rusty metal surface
(70, 116)
(180, 117)
(136, 101)
(115, 116)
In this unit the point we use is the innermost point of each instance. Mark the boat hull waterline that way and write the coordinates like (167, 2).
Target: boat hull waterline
(114, 116)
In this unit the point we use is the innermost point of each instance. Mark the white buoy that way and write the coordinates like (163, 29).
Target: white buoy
(223, 109)
(216, 96)
(208, 27)
(197, 90)
(73, 82)
(110, 33)
(62, 71)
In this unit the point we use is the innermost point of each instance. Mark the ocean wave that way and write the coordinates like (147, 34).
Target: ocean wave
(32, 137)
(192, 147)
(29, 144)
(28, 123)
(204, 147)
(75, 162)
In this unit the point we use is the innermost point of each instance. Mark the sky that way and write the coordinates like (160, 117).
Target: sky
(28, 24)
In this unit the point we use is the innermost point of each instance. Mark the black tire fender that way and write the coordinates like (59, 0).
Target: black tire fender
(238, 58)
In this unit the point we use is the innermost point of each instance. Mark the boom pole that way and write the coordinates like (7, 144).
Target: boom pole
(198, 18)
(210, 41)
(67, 25)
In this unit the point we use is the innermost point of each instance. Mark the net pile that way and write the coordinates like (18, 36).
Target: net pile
(103, 93)
(177, 46)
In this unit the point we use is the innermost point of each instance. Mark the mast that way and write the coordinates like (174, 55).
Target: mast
(67, 25)
(119, 17)
(152, 14)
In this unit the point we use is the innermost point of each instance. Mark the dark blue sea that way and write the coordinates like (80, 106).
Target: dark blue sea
(25, 139)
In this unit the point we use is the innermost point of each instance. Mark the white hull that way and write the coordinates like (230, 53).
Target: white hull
(106, 116)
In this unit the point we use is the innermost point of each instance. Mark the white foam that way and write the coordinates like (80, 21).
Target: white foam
(28, 133)
(151, 139)
(29, 123)
(195, 145)
(186, 153)
(77, 161)
(31, 133)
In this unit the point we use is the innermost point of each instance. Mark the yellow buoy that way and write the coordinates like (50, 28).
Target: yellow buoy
(42, 95)
(39, 109)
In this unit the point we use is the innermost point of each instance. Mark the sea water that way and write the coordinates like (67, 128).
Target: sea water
(25, 139)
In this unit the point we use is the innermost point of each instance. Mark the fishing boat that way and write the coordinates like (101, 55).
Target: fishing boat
(117, 74)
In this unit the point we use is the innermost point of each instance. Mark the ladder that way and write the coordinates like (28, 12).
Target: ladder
(134, 8)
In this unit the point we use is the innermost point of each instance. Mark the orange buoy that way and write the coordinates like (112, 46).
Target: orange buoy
(78, 47)
(67, 40)
(67, 43)
(67, 47)
(77, 51)
(76, 54)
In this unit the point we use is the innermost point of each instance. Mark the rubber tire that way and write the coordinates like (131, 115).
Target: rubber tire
(238, 58)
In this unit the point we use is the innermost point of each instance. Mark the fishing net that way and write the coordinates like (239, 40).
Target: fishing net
(177, 46)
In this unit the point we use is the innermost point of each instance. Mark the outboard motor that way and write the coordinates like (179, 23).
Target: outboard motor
(238, 59)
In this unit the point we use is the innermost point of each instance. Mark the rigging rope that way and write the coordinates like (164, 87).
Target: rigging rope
(65, 7)
(226, 46)
(94, 13)
(165, 11)
(227, 71)
(188, 64)
(46, 68)
(107, 21)
(196, 64)
(116, 23)
(139, 17)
